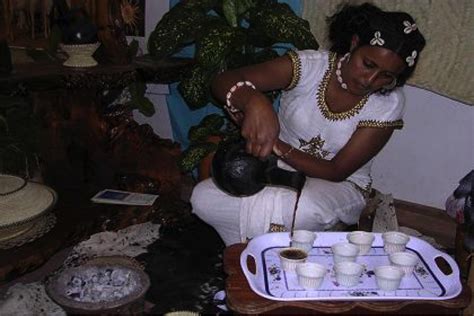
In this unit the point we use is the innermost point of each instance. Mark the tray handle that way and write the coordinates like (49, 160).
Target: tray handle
(445, 278)
(253, 278)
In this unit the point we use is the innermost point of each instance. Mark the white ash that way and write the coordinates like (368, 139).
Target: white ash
(104, 284)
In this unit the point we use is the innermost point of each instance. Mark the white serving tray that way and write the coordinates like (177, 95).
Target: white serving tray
(427, 282)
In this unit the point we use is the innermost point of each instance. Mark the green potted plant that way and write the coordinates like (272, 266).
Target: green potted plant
(203, 141)
(227, 34)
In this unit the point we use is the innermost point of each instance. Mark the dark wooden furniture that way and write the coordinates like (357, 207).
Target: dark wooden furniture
(85, 148)
(241, 299)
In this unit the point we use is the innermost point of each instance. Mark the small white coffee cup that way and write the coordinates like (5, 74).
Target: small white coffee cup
(291, 257)
(394, 241)
(303, 239)
(348, 273)
(362, 239)
(310, 275)
(405, 261)
(344, 251)
(388, 278)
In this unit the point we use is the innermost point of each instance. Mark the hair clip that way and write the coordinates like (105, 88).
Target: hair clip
(409, 27)
(377, 40)
(411, 59)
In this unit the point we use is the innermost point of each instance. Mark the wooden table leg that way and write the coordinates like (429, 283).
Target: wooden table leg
(469, 310)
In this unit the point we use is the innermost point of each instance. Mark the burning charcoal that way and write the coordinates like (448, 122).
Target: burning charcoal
(101, 285)
(94, 279)
(73, 292)
(119, 277)
(76, 282)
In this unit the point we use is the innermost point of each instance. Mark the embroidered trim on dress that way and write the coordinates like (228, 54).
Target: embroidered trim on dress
(322, 97)
(277, 228)
(398, 124)
(314, 147)
(296, 62)
(364, 191)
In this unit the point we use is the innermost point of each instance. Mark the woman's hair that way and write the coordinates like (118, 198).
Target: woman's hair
(396, 31)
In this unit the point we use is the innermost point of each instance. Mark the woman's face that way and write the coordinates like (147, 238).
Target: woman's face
(370, 69)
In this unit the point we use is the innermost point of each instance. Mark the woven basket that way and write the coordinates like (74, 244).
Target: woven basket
(133, 303)
(22, 203)
(80, 55)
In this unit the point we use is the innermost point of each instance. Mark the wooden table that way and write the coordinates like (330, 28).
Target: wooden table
(241, 299)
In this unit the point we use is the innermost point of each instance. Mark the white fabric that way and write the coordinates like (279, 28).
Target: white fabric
(218, 209)
(302, 121)
(322, 203)
(29, 300)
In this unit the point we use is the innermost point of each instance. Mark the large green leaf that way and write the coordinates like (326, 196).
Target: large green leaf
(278, 22)
(194, 154)
(229, 7)
(216, 43)
(233, 10)
(176, 28)
(210, 125)
(195, 87)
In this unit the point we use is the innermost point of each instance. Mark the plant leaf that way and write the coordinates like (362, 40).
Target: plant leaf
(278, 22)
(194, 154)
(133, 48)
(229, 8)
(195, 87)
(209, 125)
(137, 89)
(177, 27)
(217, 42)
(145, 106)
(244, 5)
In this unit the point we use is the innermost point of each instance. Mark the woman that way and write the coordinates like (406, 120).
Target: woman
(338, 110)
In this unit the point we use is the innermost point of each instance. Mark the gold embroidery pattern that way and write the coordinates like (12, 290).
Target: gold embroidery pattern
(323, 86)
(314, 147)
(398, 124)
(276, 228)
(296, 62)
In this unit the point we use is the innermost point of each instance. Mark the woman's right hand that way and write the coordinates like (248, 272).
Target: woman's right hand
(260, 127)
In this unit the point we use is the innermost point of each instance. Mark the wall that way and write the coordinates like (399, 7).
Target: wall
(157, 93)
(424, 162)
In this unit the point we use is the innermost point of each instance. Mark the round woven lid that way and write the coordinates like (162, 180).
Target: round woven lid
(22, 201)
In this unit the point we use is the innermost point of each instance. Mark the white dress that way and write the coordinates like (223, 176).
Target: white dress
(308, 125)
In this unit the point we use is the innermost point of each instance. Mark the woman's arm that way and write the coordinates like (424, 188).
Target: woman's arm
(259, 125)
(364, 144)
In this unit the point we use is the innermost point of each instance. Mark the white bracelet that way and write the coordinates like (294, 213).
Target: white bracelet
(228, 105)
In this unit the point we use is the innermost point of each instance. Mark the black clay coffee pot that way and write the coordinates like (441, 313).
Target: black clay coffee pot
(241, 174)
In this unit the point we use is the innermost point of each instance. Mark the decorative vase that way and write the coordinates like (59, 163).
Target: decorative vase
(80, 55)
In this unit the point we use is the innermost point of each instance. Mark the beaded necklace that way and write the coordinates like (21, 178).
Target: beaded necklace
(322, 89)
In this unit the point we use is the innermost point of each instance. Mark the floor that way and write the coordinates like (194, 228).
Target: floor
(184, 265)
(185, 268)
